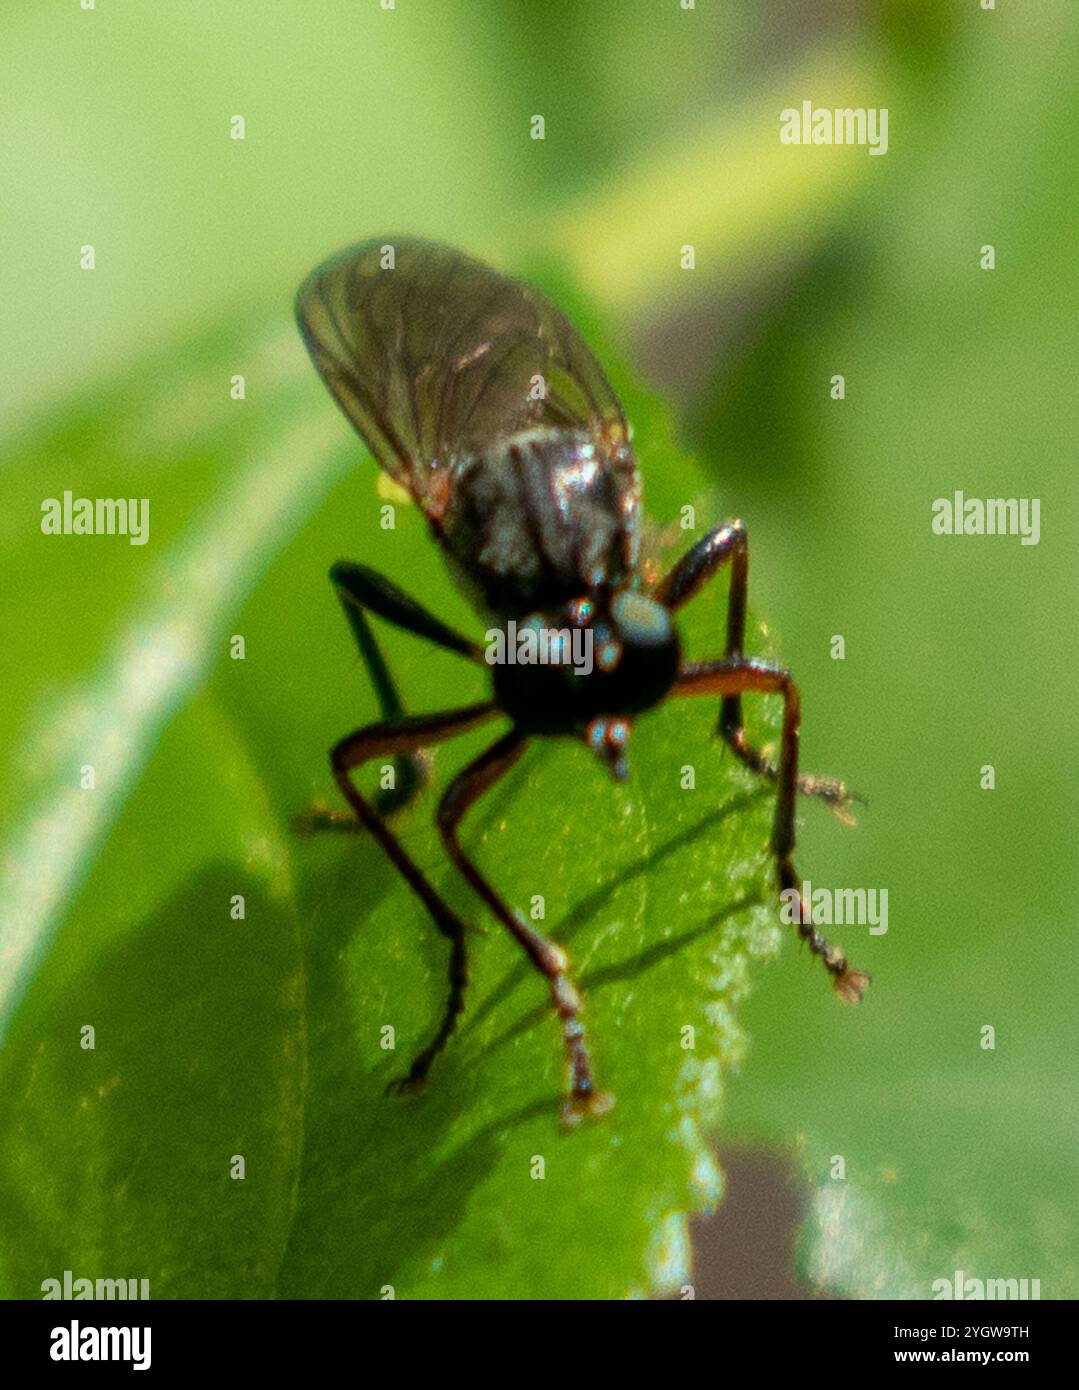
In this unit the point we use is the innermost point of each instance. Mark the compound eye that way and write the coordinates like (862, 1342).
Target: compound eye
(608, 654)
(640, 619)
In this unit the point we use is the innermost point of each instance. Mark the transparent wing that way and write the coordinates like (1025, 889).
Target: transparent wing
(439, 355)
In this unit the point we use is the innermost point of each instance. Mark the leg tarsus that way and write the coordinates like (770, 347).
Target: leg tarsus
(848, 983)
(734, 677)
(835, 794)
(319, 818)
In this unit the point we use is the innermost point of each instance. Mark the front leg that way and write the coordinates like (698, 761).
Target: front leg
(729, 543)
(548, 958)
(401, 737)
(361, 591)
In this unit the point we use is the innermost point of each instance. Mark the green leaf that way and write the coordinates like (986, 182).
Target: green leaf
(261, 1037)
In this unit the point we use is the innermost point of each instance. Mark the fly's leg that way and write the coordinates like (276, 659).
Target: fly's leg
(549, 958)
(363, 590)
(397, 738)
(729, 544)
(737, 676)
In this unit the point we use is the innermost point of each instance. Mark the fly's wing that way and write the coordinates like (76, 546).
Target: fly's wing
(433, 355)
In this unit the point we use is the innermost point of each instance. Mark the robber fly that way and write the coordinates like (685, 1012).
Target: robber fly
(477, 395)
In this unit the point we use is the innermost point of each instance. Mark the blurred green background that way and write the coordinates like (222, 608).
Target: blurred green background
(661, 130)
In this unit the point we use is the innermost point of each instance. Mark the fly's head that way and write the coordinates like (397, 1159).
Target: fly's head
(588, 668)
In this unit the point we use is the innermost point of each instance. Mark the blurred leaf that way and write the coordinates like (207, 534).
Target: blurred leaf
(959, 654)
(628, 243)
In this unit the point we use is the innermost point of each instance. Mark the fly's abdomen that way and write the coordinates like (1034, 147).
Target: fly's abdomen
(541, 517)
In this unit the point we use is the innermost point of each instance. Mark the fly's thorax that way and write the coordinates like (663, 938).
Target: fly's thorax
(541, 516)
(602, 656)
